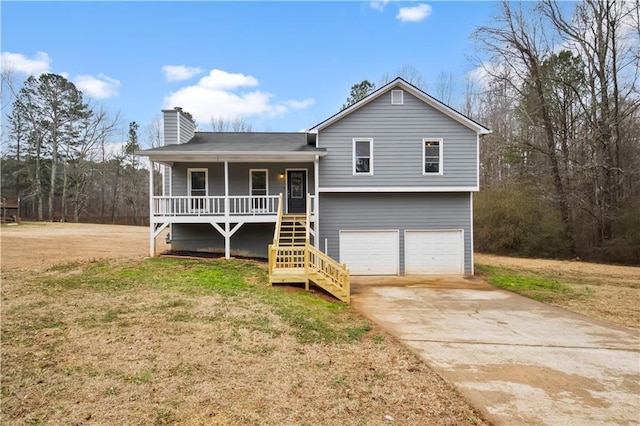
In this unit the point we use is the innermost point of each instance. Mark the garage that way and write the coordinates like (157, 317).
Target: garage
(370, 252)
(434, 252)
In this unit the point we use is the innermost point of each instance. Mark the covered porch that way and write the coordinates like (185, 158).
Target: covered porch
(205, 182)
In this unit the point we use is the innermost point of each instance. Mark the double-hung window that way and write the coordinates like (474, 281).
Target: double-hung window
(258, 188)
(431, 156)
(363, 156)
(198, 188)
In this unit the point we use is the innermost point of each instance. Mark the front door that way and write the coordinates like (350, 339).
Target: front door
(296, 191)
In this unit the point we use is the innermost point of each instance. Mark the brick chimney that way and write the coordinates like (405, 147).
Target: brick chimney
(178, 128)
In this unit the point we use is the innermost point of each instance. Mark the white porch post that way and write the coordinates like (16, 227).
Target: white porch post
(152, 238)
(227, 236)
(316, 181)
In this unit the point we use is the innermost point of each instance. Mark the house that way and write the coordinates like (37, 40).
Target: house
(10, 209)
(384, 187)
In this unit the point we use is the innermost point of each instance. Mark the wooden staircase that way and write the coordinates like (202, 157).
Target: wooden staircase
(292, 259)
(293, 230)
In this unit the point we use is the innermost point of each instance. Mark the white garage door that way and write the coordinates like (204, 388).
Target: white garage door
(370, 252)
(434, 252)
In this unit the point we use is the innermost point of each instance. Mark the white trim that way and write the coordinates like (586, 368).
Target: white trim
(399, 82)
(399, 189)
(471, 233)
(478, 160)
(286, 185)
(232, 156)
(440, 156)
(206, 179)
(353, 159)
(226, 190)
(316, 210)
(162, 172)
(401, 92)
(266, 171)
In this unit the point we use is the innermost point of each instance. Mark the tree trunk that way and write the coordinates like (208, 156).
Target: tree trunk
(54, 169)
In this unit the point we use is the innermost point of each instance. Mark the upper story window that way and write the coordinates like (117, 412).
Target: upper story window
(363, 156)
(432, 156)
(397, 97)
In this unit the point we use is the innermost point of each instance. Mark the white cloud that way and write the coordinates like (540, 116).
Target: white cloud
(480, 75)
(222, 80)
(180, 72)
(414, 13)
(300, 104)
(378, 5)
(17, 62)
(99, 87)
(219, 94)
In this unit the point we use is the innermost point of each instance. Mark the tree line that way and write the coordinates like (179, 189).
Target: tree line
(560, 172)
(60, 160)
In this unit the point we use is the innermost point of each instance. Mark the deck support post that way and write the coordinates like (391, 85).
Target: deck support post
(227, 236)
(152, 233)
(316, 207)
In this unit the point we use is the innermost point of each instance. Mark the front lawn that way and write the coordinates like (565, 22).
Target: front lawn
(166, 341)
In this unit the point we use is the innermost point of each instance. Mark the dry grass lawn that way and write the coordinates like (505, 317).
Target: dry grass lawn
(94, 333)
(607, 292)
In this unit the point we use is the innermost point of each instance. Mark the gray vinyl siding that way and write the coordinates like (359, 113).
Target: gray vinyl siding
(170, 126)
(187, 129)
(238, 177)
(397, 132)
(251, 240)
(180, 180)
(408, 211)
(166, 181)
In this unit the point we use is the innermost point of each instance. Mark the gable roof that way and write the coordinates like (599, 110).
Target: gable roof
(423, 96)
(215, 146)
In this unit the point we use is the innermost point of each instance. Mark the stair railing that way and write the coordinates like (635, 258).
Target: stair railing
(308, 223)
(276, 234)
(334, 273)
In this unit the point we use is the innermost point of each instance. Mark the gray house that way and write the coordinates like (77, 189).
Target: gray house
(387, 186)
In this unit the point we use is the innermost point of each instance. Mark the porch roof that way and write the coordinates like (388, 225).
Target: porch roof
(238, 146)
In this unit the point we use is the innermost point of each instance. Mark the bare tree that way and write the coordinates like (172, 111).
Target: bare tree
(518, 42)
(82, 158)
(445, 86)
(224, 124)
(409, 73)
(154, 138)
(605, 33)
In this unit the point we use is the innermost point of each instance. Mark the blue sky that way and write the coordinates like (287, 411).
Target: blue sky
(283, 66)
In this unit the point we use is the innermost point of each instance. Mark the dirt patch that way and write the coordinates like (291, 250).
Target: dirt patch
(607, 292)
(39, 245)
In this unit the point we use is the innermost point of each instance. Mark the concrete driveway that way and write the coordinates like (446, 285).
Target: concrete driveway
(517, 360)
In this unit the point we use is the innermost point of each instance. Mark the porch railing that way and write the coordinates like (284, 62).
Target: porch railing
(238, 205)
